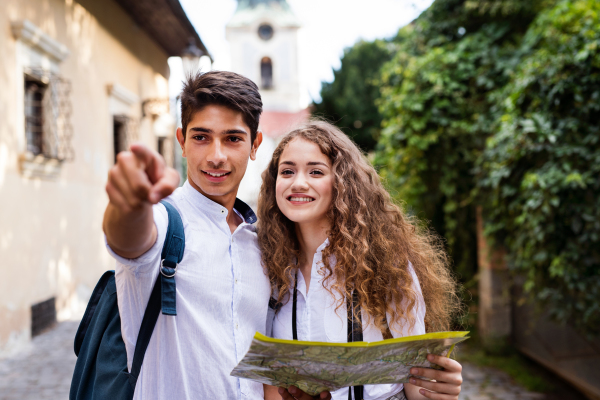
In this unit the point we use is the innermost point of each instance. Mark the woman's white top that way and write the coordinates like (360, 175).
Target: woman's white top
(317, 320)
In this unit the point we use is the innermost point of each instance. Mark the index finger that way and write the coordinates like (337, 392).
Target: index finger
(300, 395)
(448, 364)
(153, 162)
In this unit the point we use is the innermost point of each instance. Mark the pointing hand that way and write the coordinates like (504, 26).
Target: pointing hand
(140, 178)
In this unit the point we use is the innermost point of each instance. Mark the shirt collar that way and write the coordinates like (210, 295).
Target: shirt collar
(203, 203)
(244, 209)
(321, 247)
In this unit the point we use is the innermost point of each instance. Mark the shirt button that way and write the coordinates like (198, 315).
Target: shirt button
(236, 281)
(222, 211)
(236, 326)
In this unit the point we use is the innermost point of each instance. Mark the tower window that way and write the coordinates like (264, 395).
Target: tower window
(266, 73)
(265, 31)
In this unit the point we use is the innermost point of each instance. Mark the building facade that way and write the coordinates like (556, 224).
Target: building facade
(263, 36)
(81, 80)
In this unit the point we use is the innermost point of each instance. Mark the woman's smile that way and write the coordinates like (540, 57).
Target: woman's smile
(304, 187)
(300, 199)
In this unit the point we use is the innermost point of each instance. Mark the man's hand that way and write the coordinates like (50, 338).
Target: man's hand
(139, 179)
(293, 393)
(447, 381)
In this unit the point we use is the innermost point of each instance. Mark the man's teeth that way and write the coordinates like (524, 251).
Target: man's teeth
(301, 199)
(217, 175)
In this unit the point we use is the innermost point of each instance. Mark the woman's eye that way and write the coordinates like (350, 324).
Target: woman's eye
(316, 172)
(286, 172)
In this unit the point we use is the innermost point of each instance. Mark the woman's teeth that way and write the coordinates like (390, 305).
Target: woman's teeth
(306, 199)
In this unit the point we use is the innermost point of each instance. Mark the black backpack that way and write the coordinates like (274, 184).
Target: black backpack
(101, 370)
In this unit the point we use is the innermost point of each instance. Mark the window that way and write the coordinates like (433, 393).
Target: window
(34, 114)
(48, 129)
(265, 31)
(266, 73)
(124, 133)
(161, 146)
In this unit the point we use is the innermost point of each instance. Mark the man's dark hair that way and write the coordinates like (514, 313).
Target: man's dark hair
(221, 88)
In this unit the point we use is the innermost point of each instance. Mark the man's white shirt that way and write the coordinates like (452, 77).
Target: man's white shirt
(222, 300)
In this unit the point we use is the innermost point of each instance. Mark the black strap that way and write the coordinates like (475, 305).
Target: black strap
(355, 333)
(294, 330)
(171, 255)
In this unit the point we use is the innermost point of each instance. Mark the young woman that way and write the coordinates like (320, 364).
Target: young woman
(331, 237)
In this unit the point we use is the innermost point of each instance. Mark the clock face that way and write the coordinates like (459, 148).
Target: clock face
(265, 31)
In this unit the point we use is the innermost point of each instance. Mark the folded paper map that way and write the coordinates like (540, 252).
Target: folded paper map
(317, 366)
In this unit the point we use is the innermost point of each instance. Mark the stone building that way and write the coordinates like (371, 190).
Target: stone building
(80, 80)
(263, 36)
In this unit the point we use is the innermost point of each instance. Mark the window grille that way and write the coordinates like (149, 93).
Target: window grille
(124, 133)
(43, 315)
(48, 115)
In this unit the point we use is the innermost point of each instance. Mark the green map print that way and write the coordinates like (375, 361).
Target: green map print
(317, 366)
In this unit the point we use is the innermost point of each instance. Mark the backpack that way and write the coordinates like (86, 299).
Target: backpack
(101, 370)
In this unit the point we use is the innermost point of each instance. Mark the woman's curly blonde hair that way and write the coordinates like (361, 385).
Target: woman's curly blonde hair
(371, 238)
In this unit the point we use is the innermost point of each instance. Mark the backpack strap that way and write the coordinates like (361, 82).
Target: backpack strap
(171, 255)
(163, 292)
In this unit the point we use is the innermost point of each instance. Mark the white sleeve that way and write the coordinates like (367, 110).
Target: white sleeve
(418, 311)
(151, 257)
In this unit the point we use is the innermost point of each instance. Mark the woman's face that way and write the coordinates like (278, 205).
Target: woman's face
(304, 187)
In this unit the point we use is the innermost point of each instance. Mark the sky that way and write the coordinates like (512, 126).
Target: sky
(328, 26)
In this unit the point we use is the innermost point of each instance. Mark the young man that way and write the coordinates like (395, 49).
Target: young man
(222, 291)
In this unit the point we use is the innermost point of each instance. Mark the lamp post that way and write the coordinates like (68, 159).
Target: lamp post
(191, 57)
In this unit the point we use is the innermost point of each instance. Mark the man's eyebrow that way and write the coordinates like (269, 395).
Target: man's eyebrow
(200, 129)
(236, 132)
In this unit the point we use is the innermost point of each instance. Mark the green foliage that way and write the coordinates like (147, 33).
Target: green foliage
(437, 113)
(540, 170)
(350, 99)
(494, 103)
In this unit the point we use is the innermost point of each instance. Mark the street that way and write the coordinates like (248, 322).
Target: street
(43, 372)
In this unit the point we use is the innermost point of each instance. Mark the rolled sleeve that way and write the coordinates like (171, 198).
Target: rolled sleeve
(161, 221)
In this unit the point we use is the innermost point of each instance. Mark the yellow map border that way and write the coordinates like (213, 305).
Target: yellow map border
(432, 335)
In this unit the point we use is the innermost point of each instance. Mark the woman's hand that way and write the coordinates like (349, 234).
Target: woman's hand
(293, 393)
(447, 382)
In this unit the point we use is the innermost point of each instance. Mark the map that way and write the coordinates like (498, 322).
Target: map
(317, 366)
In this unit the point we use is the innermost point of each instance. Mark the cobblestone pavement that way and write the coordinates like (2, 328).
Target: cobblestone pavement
(480, 383)
(44, 371)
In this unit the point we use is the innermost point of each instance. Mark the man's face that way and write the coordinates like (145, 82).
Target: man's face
(217, 147)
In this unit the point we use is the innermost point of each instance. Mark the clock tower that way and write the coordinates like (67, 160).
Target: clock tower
(263, 35)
